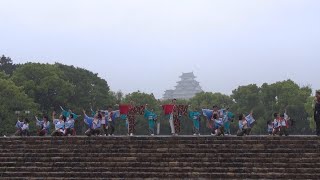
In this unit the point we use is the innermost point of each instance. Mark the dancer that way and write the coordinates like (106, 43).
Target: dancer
(168, 111)
(211, 115)
(69, 126)
(284, 124)
(22, 128)
(111, 120)
(195, 116)
(19, 126)
(59, 125)
(131, 111)
(94, 124)
(104, 123)
(151, 117)
(227, 119)
(44, 125)
(25, 128)
(276, 124)
(218, 125)
(245, 124)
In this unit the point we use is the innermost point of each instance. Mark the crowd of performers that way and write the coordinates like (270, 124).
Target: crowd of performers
(102, 122)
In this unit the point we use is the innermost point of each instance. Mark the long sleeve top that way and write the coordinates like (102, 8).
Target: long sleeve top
(25, 126)
(58, 124)
(42, 124)
(19, 124)
(69, 124)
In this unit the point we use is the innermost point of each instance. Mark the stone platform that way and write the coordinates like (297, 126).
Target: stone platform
(160, 157)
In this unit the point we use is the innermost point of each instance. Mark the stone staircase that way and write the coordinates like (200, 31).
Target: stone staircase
(252, 157)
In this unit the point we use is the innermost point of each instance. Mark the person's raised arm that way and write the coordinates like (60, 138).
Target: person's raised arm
(53, 116)
(84, 113)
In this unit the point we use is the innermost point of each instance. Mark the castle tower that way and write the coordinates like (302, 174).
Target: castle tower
(186, 88)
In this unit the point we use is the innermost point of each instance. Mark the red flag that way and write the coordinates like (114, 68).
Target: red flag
(124, 108)
(167, 109)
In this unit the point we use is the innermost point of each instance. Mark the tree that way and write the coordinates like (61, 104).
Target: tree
(43, 83)
(89, 89)
(209, 99)
(7, 65)
(52, 86)
(271, 98)
(13, 99)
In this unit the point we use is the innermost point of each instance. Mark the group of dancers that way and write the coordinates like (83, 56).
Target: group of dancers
(102, 122)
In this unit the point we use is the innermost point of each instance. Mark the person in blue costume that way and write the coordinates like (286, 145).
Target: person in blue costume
(104, 123)
(211, 115)
(228, 117)
(152, 118)
(69, 124)
(18, 126)
(44, 125)
(59, 125)
(218, 125)
(111, 117)
(245, 124)
(94, 124)
(195, 116)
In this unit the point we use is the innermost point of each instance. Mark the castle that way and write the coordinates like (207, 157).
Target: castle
(186, 88)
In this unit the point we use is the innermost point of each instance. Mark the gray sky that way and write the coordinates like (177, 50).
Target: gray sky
(146, 44)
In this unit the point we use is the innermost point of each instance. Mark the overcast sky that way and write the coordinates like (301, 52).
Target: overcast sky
(146, 44)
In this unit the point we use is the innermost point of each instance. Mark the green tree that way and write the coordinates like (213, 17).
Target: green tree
(44, 84)
(7, 65)
(13, 99)
(88, 88)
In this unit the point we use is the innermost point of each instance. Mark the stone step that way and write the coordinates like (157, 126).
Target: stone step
(210, 175)
(155, 159)
(233, 139)
(155, 151)
(152, 144)
(252, 157)
(150, 164)
(218, 154)
(162, 140)
(168, 169)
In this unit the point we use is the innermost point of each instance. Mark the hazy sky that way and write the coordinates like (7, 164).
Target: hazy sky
(146, 44)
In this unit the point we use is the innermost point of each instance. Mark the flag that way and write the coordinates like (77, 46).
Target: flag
(124, 109)
(167, 109)
(207, 113)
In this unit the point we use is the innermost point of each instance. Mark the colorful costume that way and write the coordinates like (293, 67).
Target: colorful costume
(94, 126)
(19, 126)
(219, 126)
(176, 113)
(44, 127)
(111, 118)
(227, 118)
(195, 117)
(276, 126)
(151, 117)
(69, 127)
(59, 128)
(209, 114)
(284, 125)
(131, 112)
(245, 125)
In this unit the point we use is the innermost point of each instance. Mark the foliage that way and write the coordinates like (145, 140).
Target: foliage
(45, 87)
(13, 99)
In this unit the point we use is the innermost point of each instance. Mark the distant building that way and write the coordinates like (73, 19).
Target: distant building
(186, 88)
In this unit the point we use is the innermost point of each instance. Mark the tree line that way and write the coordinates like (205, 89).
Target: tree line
(36, 89)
